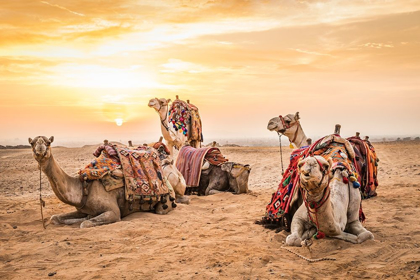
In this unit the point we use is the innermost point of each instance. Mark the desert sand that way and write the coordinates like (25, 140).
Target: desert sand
(214, 237)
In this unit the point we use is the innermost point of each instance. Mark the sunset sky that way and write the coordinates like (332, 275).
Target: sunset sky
(69, 68)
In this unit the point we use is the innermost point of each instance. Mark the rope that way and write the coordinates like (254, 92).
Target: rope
(281, 154)
(307, 259)
(41, 201)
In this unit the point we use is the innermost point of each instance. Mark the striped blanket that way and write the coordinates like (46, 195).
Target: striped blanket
(189, 163)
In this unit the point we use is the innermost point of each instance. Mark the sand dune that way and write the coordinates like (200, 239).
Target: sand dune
(212, 238)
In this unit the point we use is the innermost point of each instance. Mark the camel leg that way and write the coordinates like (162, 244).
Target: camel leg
(214, 189)
(346, 237)
(297, 227)
(104, 218)
(69, 218)
(184, 199)
(357, 229)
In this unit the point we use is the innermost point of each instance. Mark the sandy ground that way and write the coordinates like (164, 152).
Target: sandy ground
(212, 238)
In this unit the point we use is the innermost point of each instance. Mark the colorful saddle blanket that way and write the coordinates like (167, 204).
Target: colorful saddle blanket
(285, 201)
(190, 160)
(366, 163)
(184, 116)
(143, 175)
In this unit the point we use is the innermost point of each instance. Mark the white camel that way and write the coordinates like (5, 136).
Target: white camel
(172, 137)
(330, 205)
(290, 127)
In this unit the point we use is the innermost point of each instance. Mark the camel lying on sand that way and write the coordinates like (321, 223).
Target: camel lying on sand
(331, 205)
(228, 177)
(94, 205)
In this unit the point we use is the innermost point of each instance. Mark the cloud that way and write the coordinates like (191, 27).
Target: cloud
(62, 8)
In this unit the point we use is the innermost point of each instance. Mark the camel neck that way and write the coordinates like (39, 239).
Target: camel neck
(68, 189)
(298, 137)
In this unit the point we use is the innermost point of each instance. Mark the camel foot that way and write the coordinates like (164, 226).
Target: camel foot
(183, 199)
(87, 224)
(214, 192)
(293, 240)
(364, 236)
(55, 220)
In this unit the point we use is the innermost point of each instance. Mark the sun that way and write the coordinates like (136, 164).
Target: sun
(119, 121)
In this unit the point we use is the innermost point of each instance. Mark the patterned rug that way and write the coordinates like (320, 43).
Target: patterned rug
(143, 175)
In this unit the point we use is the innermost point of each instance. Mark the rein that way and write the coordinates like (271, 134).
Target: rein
(41, 201)
(281, 154)
(166, 116)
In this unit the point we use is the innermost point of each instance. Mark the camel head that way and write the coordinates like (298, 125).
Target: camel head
(158, 103)
(314, 172)
(276, 124)
(238, 175)
(41, 147)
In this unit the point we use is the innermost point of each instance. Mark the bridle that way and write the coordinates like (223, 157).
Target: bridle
(313, 206)
(323, 171)
(166, 116)
(288, 126)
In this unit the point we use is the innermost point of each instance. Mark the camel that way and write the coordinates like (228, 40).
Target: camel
(290, 127)
(94, 205)
(173, 138)
(331, 206)
(228, 177)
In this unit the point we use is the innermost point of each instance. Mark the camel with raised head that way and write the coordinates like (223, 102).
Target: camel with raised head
(172, 137)
(94, 205)
(290, 127)
(331, 205)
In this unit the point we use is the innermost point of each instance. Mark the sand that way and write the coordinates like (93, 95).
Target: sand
(212, 238)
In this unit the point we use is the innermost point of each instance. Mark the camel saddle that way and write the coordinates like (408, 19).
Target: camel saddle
(184, 117)
(138, 169)
(366, 163)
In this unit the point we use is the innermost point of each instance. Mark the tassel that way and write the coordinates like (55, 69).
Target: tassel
(173, 204)
(319, 235)
(353, 178)
(345, 180)
(356, 185)
(291, 145)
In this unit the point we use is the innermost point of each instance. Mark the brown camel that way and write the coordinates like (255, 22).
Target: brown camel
(94, 205)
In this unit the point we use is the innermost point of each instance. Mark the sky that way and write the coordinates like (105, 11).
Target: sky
(70, 68)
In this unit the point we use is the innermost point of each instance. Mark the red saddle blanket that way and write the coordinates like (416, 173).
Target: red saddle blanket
(143, 175)
(190, 160)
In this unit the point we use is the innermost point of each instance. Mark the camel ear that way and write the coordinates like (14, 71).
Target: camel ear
(330, 163)
(327, 165)
(301, 162)
(51, 139)
(169, 100)
(297, 117)
(30, 140)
